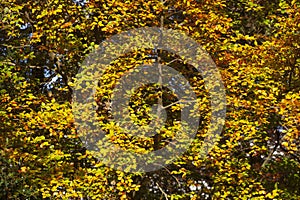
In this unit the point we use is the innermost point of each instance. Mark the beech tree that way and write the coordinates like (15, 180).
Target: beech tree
(255, 46)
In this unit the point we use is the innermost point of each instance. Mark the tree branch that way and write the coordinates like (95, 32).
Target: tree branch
(176, 102)
(28, 18)
(163, 192)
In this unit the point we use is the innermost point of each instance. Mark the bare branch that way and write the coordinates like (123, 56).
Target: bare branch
(15, 47)
(176, 102)
(163, 192)
(177, 59)
(172, 176)
(27, 16)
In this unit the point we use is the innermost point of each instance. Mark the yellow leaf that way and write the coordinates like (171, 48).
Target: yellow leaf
(285, 144)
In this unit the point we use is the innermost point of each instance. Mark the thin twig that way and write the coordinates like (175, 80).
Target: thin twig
(177, 59)
(179, 101)
(27, 16)
(172, 175)
(15, 47)
(165, 194)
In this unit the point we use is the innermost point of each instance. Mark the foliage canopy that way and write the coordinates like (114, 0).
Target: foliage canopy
(256, 47)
